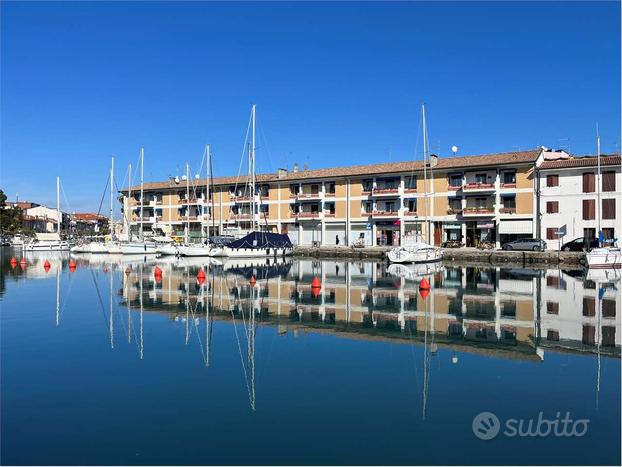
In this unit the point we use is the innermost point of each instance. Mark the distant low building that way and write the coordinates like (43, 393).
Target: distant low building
(43, 219)
(87, 223)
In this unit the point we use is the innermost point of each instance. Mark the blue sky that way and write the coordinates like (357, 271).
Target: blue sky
(334, 84)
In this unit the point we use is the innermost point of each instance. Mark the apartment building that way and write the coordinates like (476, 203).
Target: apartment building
(469, 199)
(569, 198)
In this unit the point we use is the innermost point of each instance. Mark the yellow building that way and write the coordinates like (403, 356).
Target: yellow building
(468, 199)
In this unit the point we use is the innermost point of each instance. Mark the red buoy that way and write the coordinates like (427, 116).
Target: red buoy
(23, 262)
(157, 272)
(424, 292)
(13, 260)
(201, 274)
(315, 283)
(201, 280)
(72, 265)
(424, 284)
(252, 282)
(46, 264)
(128, 270)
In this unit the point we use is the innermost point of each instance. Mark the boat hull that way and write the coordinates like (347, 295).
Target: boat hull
(137, 248)
(40, 246)
(271, 252)
(604, 258)
(404, 255)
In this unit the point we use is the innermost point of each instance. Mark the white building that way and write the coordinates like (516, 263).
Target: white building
(568, 198)
(47, 215)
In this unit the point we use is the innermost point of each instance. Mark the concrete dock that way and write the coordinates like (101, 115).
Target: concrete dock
(459, 255)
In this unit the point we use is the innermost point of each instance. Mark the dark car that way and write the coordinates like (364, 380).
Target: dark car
(580, 244)
(529, 244)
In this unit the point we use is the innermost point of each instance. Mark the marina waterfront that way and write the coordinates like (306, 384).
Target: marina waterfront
(116, 362)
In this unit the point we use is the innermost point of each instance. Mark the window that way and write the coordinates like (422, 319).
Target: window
(551, 233)
(480, 203)
(389, 206)
(367, 184)
(509, 202)
(552, 180)
(552, 308)
(589, 332)
(589, 209)
(263, 209)
(609, 180)
(293, 208)
(609, 308)
(315, 208)
(367, 206)
(455, 180)
(589, 182)
(509, 177)
(315, 189)
(231, 191)
(330, 188)
(589, 306)
(609, 336)
(480, 178)
(293, 189)
(609, 208)
(330, 207)
(609, 233)
(455, 203)
(552, 207)
(552, 335)
(412, 205)
(410, 183)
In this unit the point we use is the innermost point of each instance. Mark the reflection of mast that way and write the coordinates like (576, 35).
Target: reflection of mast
(58, 295)
(251, 346)
(598, 338)
(140, 299)
(110, 313)
(129, 312)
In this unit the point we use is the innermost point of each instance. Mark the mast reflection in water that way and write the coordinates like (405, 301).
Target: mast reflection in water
(172, 368)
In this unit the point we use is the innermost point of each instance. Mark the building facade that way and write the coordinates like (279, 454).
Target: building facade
(470, 199)
(568, 189)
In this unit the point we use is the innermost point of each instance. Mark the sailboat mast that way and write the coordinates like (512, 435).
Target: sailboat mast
(58, 222)
(206, 205)
(128, 220)
(254, 207)
(142, 182)
(598, 214)
(425, 174)
(188, 204)
(111, 229)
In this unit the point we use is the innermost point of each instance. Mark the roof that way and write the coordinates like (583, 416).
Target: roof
(88, 216)
(449, 163)
(21, 204)
(587, 161)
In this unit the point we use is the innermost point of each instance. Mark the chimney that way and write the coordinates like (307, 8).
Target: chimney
(433, 160)
(296, 167)
(282, 173)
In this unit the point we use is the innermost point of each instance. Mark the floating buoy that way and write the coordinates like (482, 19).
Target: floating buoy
(13, 260)
(424, 284)
(424, 292)
(72, 265)
(201, 274)
(201, 280)
(315, 283)
(157, 272)
(252, 282)
(46, 264)
(23, 263)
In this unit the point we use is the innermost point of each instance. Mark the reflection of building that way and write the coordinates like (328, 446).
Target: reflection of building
(497, 311)
(472, 199)
(568, 197)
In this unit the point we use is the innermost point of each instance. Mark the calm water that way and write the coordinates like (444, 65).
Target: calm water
(111, 365)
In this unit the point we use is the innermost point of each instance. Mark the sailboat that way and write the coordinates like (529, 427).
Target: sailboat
(257, 243)
(414, 249)
(49, 241)
(603, 257)
(139, 247)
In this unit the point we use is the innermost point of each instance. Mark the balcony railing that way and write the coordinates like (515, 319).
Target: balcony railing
(189, 201)
(329, 194)
(478, 186)
(478, 211)
(454, 187)
(307, 215)
(303, 196)
(507, 210)
(384, 214)
(329, 214)
(239, 217)
(410, 213)
(454, 211)
(241, 198)
(384, 191)
(508, 185)
(410, 190)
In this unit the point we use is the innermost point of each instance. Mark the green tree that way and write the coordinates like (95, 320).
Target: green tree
(10, 218)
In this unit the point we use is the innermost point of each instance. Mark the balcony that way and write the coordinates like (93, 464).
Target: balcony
(155, 202)
(308, 196)
(384, 191)
(410, 213)
(410, 191)
(329, 194)
(384, 214)
(240, 217)
(479, 187)
(329, 214)
(454, 187)
(307, 215)
(242, 199)
(478, 211)
(454, 211)
(508, 185)
(507, 210)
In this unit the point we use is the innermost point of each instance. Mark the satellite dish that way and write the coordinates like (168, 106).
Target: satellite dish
(454, 149)
(196, 176)
(183, 177)
(176, 179)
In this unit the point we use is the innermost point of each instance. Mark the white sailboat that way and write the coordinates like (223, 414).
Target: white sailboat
(256, 244)
(140, 247)
(603, 257)
(49, 241)
(413, 248)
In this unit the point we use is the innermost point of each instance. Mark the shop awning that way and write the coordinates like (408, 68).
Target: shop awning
(516, 227)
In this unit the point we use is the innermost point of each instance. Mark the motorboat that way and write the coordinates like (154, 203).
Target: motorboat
(46, 242)
(90, 247)
(608, 257)
(414, 250)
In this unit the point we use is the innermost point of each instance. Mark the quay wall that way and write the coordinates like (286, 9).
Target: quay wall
(460, 255)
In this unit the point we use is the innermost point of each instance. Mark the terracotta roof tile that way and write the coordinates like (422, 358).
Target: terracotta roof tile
(462, 162)
(588, 161)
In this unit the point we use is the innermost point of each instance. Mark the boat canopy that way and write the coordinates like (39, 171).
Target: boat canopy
(260, 240)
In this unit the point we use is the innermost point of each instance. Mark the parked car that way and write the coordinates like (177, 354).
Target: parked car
(530, 244)
(580, 244)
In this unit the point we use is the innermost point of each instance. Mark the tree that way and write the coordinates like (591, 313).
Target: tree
(10, 218)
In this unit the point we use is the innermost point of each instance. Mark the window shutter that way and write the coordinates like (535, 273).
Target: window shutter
(588, 182)
(589, 209)
(609, 181)
(609, 208)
